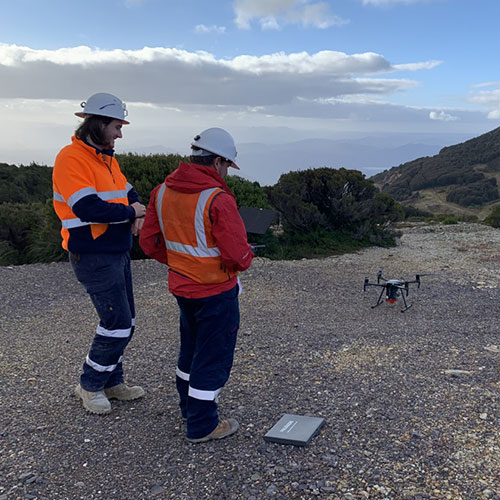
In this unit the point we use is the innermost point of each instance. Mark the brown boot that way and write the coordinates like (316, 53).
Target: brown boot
(123, 392)
(94, 402)
(224, 428)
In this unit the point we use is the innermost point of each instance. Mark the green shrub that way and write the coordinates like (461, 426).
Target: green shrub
(25, 184)
(413, 212)
(493, 218)
(446, 218)
(45, 238)
(313, 244)
(476, 193)
(247, 193)
(16, 223)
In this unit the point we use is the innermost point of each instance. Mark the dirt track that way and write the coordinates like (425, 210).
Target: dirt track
(410, 400)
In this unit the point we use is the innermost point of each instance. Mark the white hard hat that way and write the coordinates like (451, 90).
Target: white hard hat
(103, 104)
(217, 141)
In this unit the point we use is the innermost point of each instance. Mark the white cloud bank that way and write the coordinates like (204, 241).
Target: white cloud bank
(173, 76)
(170, 92)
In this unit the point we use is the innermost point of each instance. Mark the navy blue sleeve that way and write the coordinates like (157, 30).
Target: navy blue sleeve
(92, 209)
(133, 196)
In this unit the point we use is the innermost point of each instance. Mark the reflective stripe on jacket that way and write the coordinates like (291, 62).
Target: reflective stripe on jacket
(186, 226)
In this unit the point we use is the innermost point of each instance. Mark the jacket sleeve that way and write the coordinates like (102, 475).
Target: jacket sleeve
(132, 194)
(92, 209)
(230, 234)
(151, 238)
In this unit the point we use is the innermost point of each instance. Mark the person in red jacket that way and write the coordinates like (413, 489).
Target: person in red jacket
(99, 212)
(192, 224)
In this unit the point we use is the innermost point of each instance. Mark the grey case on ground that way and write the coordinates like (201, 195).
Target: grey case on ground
(294, 429)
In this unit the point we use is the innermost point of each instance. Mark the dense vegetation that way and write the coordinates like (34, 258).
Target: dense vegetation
(455, 166)
(321, 211)
(475, 193)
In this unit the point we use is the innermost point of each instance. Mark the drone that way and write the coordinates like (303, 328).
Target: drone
(393, 289)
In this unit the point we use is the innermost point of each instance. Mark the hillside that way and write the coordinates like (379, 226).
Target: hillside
(460, 179)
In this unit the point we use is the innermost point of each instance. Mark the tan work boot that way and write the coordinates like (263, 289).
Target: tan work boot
(224, 428)
(94, 402)
(123, 392)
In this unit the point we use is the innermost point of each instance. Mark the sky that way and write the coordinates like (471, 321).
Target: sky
(271, 72)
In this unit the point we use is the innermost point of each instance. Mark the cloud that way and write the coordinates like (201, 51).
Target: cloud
(134, 3)
(171, 91)
(273, 14)
(379, 3)
(488, 98)
(417, 66)
(204, 30)
(442, 116)
(174, 76)
(485, 85)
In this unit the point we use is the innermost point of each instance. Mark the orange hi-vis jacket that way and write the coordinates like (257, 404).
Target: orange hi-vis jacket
(91, 194)
(191, 247)
(192, 224)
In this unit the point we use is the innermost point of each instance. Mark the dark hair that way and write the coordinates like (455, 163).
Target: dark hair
(206, 161)
(92, 128)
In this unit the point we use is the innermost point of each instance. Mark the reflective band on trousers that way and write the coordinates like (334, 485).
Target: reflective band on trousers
(197, 393)
(181, 374)
(117, 334)
(201, 249)
(203, 395)
(100, 368)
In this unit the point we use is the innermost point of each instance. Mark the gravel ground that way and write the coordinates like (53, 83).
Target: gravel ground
(410, 400)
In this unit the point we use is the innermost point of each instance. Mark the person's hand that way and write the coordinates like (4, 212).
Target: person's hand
(140, 210)
(137, 226)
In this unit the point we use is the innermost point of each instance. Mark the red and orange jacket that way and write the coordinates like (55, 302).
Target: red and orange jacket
(92, 198)
(193, 225)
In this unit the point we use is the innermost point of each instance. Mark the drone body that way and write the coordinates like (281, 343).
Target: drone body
(393, 289)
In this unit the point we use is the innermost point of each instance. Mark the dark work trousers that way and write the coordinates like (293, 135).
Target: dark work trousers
(108, 280)
(208, 330)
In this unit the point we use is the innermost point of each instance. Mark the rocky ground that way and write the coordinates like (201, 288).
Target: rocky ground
(410, 400)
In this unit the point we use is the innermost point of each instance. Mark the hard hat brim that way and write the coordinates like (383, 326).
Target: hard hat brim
(83, 115)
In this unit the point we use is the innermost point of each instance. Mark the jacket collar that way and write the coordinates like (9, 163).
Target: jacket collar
(91, 148)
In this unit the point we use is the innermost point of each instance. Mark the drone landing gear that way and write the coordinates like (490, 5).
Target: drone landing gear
(380, 301)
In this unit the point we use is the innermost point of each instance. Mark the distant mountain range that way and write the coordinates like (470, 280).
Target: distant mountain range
(265, 162)
(461, 177)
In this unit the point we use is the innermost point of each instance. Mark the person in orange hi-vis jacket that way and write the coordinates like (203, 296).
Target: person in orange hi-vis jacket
(192, 224)
(99, 212)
